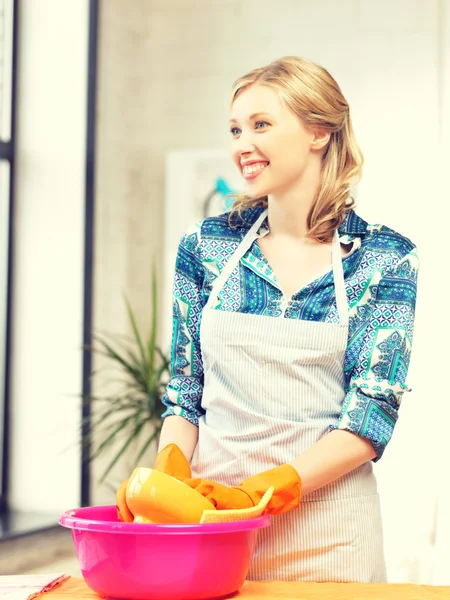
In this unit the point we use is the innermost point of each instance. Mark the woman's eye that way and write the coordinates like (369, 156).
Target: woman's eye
(258, 125)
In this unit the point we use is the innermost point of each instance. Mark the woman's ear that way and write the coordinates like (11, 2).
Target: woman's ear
(321, 137)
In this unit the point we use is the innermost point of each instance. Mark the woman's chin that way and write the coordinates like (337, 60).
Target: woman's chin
(256, 191)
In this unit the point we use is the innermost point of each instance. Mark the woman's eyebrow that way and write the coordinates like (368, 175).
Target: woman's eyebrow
(253, 116)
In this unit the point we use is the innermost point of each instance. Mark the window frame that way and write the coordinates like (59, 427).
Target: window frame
(7, 153)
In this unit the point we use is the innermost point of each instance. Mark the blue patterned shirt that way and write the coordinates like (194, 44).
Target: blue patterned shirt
(380, 274)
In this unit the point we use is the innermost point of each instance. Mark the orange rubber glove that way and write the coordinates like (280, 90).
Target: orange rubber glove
(123, 512)
(285, 480)
(170, 461)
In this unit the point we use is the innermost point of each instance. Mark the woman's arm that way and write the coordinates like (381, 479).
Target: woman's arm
(184, 391)
(333, 456)
(376, 385)
(179, 431)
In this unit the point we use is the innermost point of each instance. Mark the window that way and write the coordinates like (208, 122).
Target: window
(8, 20)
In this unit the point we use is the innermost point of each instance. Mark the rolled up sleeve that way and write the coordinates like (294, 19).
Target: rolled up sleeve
(377, 381)
(184, 391)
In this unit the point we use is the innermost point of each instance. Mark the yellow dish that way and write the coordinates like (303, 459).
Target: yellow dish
(154, 497)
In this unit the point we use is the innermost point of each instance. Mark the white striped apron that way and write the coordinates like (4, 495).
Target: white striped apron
(272, 387)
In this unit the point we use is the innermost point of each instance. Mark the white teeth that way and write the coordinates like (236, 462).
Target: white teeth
(253, 168)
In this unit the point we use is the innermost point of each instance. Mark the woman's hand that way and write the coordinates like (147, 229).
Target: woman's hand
(171, 461)
(284, 479)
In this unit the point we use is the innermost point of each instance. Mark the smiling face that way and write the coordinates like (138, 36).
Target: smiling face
(271, 146)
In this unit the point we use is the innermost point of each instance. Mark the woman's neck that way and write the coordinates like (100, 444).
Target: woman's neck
(288, 212)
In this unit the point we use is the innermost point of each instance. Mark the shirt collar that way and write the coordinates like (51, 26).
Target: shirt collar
(352, 225)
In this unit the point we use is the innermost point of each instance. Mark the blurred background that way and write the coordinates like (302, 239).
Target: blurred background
(113, 141)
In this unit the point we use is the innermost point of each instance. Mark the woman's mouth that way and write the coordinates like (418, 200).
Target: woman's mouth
(253, 170)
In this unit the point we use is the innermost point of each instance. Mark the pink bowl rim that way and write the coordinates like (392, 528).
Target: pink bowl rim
(73, 519)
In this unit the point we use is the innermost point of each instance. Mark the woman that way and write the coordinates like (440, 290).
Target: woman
(293, 324)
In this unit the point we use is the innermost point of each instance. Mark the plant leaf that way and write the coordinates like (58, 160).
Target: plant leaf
(153, 324)
(139, 373)
(136, 431)
(134, 360)
(129, 368)
(124, 337)
(133, 322)
(147, 444)
(112, 435)
(165, 358)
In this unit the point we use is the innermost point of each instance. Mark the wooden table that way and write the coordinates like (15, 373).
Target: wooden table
(75, 589)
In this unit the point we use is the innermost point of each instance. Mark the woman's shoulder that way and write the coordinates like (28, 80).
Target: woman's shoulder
(376, 236)
(381, 248)
(221, 228)
(230, 224)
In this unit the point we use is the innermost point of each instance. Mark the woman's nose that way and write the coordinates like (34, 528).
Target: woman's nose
(244, 144)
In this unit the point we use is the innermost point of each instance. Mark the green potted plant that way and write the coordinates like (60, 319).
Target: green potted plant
(132, 414)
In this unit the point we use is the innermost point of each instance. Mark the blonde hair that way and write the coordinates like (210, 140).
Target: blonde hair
(312, 93)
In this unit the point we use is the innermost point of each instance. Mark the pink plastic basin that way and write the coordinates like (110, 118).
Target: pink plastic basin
(161, 562)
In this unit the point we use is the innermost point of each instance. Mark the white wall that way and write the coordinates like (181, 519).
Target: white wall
(48, 289)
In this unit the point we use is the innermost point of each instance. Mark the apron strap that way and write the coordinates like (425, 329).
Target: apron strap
(338, 271)
(234, 260)
(339, 282)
